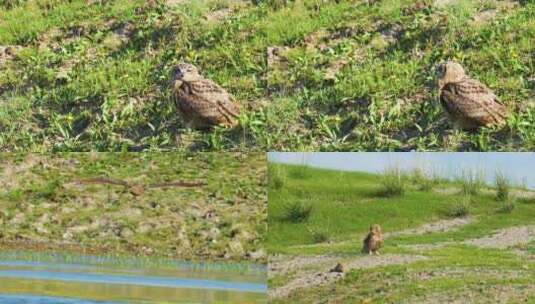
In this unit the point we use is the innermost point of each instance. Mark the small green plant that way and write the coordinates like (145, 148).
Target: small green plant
(320, 234)
(276, 176)
(507, 207)
(320, 237)
(297, 211)
(49, 190)
(471, 182)
(460, 209)
(502, 187)
(299, 172)
(392, 181)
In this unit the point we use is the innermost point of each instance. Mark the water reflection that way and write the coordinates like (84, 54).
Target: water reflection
(20, 282)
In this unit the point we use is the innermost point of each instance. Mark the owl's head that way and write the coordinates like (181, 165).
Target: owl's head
(448, 72)
(185, 72)
(375, 229)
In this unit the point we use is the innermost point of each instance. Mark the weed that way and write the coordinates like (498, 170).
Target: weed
(49, 190)
(507, 206)
(502, 186)
(392, 181)
(471, 182)
(276, 176)
(299, 172)
(460, 209)
(423, 180)
(297, 211)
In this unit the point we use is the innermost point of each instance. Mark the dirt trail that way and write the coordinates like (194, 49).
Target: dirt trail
(439, 226)
(506, 238)
(326, 276)
(283, 264)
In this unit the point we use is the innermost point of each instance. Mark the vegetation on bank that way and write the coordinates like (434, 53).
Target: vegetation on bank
(310, 75)
(44, 207)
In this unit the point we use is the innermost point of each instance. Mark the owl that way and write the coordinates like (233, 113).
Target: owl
(201, 103)
(468, 103)
(373, 241)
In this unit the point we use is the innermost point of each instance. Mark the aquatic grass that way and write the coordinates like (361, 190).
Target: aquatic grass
(131, 262)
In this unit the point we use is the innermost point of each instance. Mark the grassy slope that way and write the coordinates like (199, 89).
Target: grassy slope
(346, 203)
(382, 99)
(40, 203)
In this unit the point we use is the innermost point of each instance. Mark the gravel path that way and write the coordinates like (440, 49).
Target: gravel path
(506, 238)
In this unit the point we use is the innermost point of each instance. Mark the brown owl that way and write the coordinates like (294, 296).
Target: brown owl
(201, 103)
(373, 241)
(468, 103)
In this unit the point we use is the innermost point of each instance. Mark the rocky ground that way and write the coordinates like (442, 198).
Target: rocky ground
(43, 206)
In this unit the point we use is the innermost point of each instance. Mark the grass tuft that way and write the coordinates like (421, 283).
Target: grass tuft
(471, 182)
(276, 176)
(460, 209)
(392, 182)
(297, 211)
(502, 187)
(507, 207)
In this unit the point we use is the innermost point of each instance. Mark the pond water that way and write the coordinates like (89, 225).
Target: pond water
(77, 283)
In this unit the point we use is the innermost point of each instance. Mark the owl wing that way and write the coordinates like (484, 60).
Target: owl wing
(210, 102)
(472, 100)
(366, 242)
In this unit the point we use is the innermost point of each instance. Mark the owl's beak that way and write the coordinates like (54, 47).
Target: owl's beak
(177, 83)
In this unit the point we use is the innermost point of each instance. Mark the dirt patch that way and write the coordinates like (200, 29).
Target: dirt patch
(284, 264)
(447, 191)
(8, 52)
(172, 3)
(487, 15)
(444, 3)
(218, 15)
(506, 238)
(462, 272)
(439, 226)
(327, 276)
(514, 293)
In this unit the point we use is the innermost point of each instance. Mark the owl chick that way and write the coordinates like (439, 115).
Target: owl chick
(201, 103)
(468, 103)
(373, 241)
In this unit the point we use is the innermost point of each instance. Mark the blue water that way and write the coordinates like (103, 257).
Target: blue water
(29, 299)
(46, 283)
(134, 280)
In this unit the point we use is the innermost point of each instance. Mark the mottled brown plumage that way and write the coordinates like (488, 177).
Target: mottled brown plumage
(373, 241)
(468, 103)
(200, 102)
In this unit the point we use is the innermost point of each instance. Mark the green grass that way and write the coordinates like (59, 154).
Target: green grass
(95, 91)
(346, 203)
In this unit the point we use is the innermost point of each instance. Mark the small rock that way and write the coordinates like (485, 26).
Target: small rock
(257, 255)
(126, 233)
(338, 268)
(67, 235)
(236, 249)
